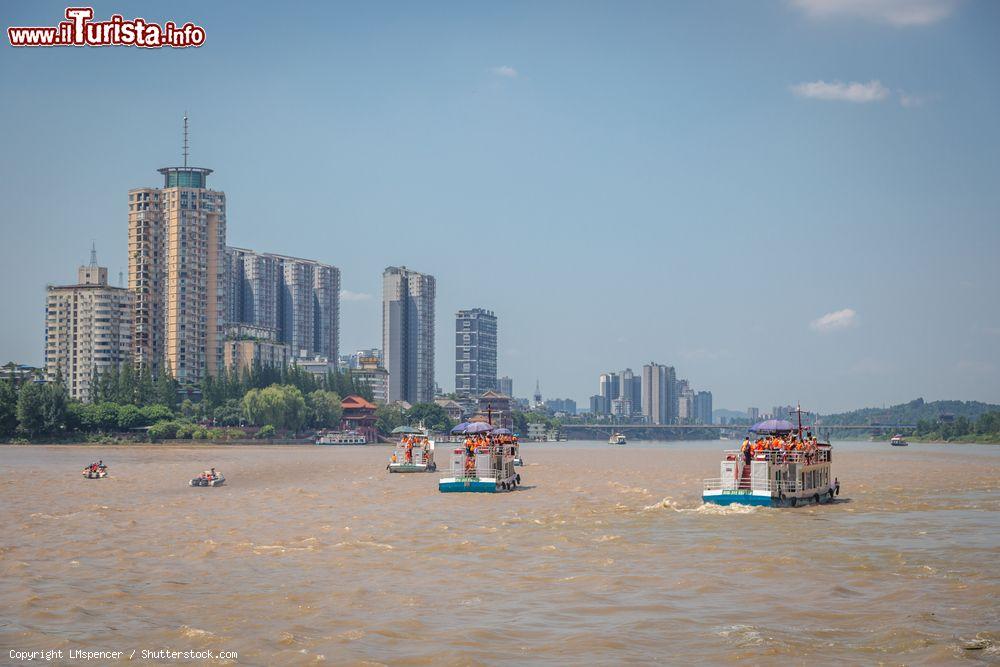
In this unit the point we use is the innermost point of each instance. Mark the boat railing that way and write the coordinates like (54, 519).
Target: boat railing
(461, 472)
(820, 455)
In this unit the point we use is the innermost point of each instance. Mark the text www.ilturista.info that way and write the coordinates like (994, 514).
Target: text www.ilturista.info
(79, 30)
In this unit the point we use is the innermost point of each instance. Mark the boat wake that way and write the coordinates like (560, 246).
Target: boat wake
(705, 508)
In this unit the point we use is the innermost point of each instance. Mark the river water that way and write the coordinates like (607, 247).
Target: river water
(606, 554)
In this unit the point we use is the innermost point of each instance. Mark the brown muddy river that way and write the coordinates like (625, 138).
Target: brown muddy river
(606, 555)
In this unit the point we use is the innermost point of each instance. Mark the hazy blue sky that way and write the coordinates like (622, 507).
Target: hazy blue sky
(786, 200)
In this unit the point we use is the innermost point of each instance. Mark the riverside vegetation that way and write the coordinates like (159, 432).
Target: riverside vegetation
(124, 401)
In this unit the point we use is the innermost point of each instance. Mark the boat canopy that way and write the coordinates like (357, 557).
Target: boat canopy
(773, 427)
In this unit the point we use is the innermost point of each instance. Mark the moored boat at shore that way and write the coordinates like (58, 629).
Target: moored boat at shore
(617, 439)
(898, 441)
(341, 438)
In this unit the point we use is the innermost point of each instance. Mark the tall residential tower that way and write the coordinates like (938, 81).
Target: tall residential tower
(658, 399)
(475, 352)
(408, 334)
(88, 329)
(177, 272)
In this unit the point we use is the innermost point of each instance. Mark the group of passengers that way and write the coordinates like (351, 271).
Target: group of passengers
(409, 442)
(806, 446)
(485, 442)
(96, 467)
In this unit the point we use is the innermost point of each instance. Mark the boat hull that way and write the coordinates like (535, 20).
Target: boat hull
(468, 485)
(411, 467)
(759, 499)
(739, 497)
(214, 482)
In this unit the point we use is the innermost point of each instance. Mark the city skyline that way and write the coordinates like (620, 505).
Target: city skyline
(870, 173)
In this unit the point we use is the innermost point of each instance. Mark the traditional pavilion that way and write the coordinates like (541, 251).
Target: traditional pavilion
(359, 415)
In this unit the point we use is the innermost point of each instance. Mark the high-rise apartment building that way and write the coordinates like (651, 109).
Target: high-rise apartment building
(703, 407)
(610, 389)
(629, 399)
(408, 334)
(657, 393)
(326, 311)
(299, 299)
(475, 352)
(505, 386)
(254, 288)
(685, 403)
(88, 329)
(177, 274)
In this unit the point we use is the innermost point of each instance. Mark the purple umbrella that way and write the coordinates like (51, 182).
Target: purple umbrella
(460, 428)
(773, 426)
(501, 431)
(478, 427)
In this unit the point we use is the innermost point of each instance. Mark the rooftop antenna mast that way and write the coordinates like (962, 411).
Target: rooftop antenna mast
(185, 138)
(93, 253)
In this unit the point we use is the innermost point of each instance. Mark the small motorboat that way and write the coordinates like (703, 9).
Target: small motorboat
(518, 461)
(209, 478)
(898, 441)
(617, 439)
(95, 472)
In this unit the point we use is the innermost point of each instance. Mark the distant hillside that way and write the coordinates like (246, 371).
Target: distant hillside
(717, 415)
(911, 413)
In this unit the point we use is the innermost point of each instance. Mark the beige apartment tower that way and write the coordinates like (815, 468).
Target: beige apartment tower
(177, 272)
(88, 329)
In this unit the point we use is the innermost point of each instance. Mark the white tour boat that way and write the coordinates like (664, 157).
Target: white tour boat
(485, 464)
(783, 469)
(898, 441)
(341, 438)
(413, 453)
(617, 439)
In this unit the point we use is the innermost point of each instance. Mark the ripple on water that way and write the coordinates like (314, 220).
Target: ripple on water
(572, 572)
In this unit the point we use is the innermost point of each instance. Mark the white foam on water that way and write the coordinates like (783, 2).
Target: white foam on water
(188, 631)
(705, 508)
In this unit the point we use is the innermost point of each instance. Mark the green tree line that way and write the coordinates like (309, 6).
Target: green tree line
(986, 427)
(124, 398)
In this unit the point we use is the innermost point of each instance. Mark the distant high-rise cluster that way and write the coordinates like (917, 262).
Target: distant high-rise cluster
(505, 386)
(408, 334)
(475, 352)
(654, 397)
(299, 299)
(193, 306)
(88, 329)
(564, 405)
